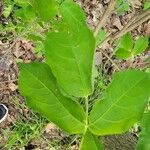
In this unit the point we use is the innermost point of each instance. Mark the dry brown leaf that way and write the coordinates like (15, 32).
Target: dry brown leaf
(98, 58)
(26, 45)
(12, 87)
(17, 51)
(117, 23)
(50, 127)
(147, 29)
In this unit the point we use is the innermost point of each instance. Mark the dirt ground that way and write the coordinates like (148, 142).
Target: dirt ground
(21, 50)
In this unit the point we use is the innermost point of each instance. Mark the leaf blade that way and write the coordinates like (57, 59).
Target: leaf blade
(122, 92)
(126, 42)
(90, 142)
(43, 95)
(76, 17)
(140, 45)
(45, 9)
(146, 5)
(123, 54)
(70, 53)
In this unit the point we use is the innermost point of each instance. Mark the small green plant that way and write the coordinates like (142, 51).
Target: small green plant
(23, 22)
(24, 130)
(53, 88)
(127, 48)
(146, 5)
(122, 6)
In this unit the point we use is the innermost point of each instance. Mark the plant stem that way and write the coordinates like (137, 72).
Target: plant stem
(86, 109)
(104, 17)
(86, 120)
(86, 114)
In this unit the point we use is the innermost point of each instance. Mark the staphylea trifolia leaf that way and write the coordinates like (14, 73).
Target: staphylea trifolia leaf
(123, 54)
(73, 15)
(38, 85)
(144, 138)
(70, 51)
(146, 4)
(126, 42)
(122, 104)
(25, 14)
(90, 142)
(140, 45)
(122, 6)
(45, 9)
(126, 48)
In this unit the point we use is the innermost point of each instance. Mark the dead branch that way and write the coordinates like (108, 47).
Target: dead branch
(104, 17)
(133, 23)
(109, 58)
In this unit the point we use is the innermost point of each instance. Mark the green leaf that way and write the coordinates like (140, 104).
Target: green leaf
(100, 37)
(73, 15)
(123, 54)
(122, 6)
(39, 48)
(122, 104)
(146, 5)
(70, 52)
(140, 45)
(26, 13)
(126, 42)
(45, 9)
(7, 10)
(36, 37)
(22, 3)
(90, 142)
(38, 85)
(144, 139)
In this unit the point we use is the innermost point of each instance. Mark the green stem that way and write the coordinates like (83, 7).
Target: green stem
(86, 121)
(86, 110)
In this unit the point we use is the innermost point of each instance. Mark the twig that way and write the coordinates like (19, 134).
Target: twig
(139, 22)
(114, 64)
(134, 22)
(102, 21)
(140, 15)
(105, 40)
